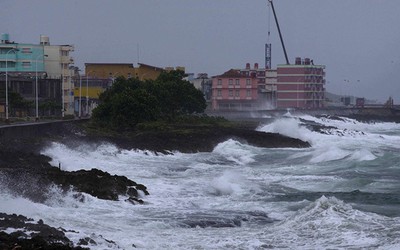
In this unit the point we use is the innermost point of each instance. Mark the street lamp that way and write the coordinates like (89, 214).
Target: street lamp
(36, 86)
(87, 93)
(80, 94)
(13, 49)
(62, 96)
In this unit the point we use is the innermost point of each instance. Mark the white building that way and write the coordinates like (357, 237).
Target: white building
(57, 65)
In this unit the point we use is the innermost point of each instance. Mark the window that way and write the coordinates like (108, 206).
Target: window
(230, 81)
(219, 93)
(26, 64)
(9, 64)
(237, 93)
(248, 83)
(64, 53)
(219, 81)
(248, 93)
(26, 50)
(237, 82)
(231, 92)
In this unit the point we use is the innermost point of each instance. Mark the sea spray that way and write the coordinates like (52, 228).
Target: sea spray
(239, 196)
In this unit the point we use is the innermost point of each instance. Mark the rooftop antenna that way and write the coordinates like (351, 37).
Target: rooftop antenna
(138, 53)
(279, 31)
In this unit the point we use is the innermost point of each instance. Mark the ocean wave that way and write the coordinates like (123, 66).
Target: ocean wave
(330, 222)
(236, 152)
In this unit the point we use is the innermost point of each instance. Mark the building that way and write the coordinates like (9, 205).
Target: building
(58, 62)
(266, 90)
(270, 88)
(23, 66)
(203, 83)
(235, 90)
(86, 93)
(20, 58)
(301, 85)
(127, 70)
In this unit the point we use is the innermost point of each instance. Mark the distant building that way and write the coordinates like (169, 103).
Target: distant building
(24, 63)
(58, 62)
(270, 88)
(235, 90)
(127, 70)
(20, 58)
(204, 83)
(87, 91)
(301, 85)
(265, 89)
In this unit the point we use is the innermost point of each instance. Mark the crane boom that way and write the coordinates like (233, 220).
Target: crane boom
(279, 31)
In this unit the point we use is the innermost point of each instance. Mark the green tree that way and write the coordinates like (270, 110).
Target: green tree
(178, 96)
(17, 102)
(126, 104)
(131, 101)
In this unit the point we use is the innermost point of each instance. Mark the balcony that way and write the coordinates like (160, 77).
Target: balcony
(67, 59)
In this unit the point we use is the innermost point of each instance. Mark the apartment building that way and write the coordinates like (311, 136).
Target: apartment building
(235, 90)
(23, 66)
(58, 62)
(301, 85)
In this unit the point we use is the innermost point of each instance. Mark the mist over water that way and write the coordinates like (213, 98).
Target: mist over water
(343, 192)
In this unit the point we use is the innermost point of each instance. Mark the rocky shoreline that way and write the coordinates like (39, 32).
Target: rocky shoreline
(28, 234)
(25, 172)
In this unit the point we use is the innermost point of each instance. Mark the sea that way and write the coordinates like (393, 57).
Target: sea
(341, 193)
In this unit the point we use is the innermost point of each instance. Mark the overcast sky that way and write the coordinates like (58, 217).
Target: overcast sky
(357, 40)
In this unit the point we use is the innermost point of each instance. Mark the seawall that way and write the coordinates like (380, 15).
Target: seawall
(34, 130)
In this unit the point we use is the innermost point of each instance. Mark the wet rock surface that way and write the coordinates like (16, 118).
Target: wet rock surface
(28, 234)
(193, 140)
(30, 175)
(25, 172)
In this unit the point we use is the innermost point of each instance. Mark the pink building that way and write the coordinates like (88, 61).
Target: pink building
(301, 85)
(236, 89)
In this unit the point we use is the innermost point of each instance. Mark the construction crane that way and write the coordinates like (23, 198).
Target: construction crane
(268, 46)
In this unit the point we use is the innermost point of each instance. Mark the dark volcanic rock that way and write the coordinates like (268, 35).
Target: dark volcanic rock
(30, 175)
(30, 235)
(97, 183)
(192, 139)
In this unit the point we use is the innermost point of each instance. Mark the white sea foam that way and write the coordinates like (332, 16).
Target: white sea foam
(362, 155)
(331, 222)
(233, 181)
(236, 152)
(287, 126)
(230, 182)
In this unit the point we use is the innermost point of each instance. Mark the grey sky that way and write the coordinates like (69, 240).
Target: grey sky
(357, 40)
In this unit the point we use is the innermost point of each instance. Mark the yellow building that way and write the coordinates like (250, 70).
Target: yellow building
(127, 70)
